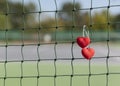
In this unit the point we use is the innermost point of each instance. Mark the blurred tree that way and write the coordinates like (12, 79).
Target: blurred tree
(85, 19)
(3, 6)
(116, 23)
(49, 24)
(21, 16)
(4, 20)
(68, 9)
(100, 21)
(70, 14)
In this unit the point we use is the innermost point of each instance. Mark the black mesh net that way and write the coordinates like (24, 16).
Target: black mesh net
(36, 53)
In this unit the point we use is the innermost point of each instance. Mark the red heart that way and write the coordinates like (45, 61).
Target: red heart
(83, 41)
(88, 53)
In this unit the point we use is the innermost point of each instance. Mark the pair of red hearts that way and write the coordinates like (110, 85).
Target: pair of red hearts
(83, 42)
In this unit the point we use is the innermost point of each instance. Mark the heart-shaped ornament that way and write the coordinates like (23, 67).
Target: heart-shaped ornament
(88, 53)
(83, 41)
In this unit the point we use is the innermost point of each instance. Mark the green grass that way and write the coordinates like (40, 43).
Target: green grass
(13, 69)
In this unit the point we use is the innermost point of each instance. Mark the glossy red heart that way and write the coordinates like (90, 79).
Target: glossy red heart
(83, 41)
(88, 53)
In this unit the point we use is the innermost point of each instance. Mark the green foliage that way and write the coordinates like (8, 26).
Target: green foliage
(3, 6)
(4, 22)
(116, 23)
(50, 24)
(70, 14)
(68, 9)
(100, 20)
(19, 18)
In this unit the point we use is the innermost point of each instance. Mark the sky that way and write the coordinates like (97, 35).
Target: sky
(49, 5)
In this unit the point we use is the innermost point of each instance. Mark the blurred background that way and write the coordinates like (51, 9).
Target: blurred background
(38, 42)
(58, 20)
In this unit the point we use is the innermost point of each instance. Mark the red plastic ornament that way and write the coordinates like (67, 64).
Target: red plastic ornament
(83, 41)
(88, 53)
